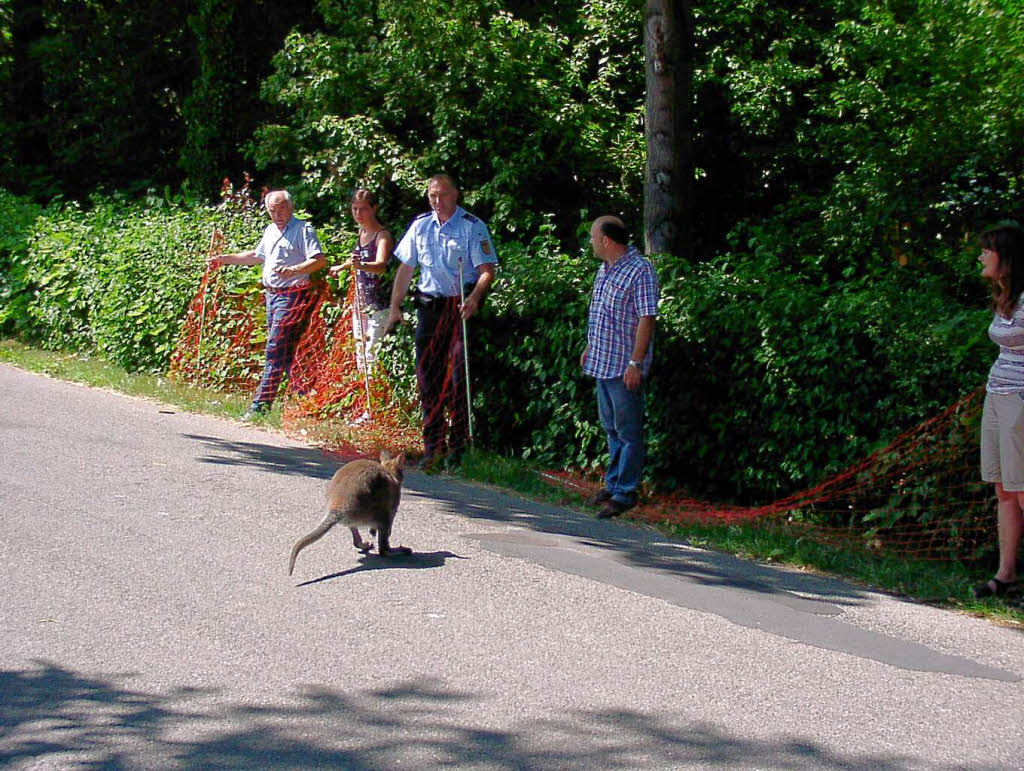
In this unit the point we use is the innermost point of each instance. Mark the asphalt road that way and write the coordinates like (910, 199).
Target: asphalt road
(147, 621)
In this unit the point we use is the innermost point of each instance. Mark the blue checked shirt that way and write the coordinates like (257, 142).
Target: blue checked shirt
(622, 294)
(438, 249)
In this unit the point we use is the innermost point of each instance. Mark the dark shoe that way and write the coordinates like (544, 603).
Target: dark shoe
(994, 588)
(612, 508)
(252, 413)
(599, 498)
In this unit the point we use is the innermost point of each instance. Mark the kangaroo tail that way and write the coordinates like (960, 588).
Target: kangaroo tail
(306, 540)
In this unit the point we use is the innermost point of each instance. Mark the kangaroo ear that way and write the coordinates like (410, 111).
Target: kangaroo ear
(385, 456)
(400, 460)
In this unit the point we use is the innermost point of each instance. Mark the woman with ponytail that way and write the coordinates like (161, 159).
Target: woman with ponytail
(370, 257)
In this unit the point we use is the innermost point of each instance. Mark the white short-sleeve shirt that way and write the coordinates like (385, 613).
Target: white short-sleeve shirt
(283, 248)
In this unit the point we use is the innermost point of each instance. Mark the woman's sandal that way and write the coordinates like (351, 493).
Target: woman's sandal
(1001, 589)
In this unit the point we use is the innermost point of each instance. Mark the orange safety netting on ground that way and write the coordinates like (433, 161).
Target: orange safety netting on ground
(919, 496)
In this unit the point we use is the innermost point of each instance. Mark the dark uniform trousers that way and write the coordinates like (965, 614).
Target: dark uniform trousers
(441, 373)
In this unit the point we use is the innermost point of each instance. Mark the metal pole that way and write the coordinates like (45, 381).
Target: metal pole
(362, 337)
(465, 354)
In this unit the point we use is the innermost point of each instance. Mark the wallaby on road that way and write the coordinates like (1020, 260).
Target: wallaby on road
(362, 493)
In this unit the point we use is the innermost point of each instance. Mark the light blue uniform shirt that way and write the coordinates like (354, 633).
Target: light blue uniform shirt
(281, 248)
(438, 250)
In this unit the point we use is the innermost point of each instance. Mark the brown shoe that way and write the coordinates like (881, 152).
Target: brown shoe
(612, 508)
(599, 498)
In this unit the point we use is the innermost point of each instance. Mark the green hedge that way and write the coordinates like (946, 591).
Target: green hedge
(765, 379)
(116, 277)
(770, 381)
(768, 376)
(17, 222)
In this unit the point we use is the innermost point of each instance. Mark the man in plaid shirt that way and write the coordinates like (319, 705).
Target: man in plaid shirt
(620, 329)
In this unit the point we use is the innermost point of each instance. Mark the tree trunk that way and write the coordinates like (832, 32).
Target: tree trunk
(668, 43)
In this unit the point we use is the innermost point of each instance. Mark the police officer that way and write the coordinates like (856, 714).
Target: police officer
(448, 244)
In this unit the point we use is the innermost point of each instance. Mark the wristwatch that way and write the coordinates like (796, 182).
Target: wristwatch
(634, 364)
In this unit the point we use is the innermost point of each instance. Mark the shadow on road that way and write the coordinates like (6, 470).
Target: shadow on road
(53, 715)
(641, 546)
(800, 606)
(293, 461)
(414, 561)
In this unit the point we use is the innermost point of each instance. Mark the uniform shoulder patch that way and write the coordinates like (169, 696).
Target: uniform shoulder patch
(486, 246)
(470, 218)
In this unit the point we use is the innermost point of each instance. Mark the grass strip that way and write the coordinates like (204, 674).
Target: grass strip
(94, 371)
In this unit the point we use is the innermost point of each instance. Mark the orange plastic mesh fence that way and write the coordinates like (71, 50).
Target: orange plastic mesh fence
(919, 496)
(335, 390)
(441, 375)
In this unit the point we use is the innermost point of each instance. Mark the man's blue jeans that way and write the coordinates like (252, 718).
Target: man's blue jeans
(621, 412)
(286, 321)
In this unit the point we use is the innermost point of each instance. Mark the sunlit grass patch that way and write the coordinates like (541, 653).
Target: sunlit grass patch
(97, 372)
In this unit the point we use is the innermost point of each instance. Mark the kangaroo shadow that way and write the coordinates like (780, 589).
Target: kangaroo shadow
(414, 561)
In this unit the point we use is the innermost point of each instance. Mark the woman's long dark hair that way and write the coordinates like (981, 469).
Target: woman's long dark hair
(1007, 241)
(362, 194)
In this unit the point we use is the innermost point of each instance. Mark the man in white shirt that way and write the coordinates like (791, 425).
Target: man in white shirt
(289, 252)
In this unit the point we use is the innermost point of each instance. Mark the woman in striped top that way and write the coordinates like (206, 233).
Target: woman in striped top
(1002, 423)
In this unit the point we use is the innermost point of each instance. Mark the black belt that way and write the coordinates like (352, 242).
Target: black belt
(425, 300)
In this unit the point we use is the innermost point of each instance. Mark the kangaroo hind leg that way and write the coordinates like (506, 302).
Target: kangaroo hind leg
(357, 540)
(384, 547)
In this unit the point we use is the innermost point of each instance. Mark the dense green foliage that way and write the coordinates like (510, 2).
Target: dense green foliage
(533, 115)
(126, 94)
(17, 223)
(115, 277)
(764, 381)
(750, 364)
(845, 154)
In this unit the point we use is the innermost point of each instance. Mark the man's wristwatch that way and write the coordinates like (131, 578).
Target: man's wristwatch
(634, 364)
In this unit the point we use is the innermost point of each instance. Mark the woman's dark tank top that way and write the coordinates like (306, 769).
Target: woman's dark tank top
(370, 285)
